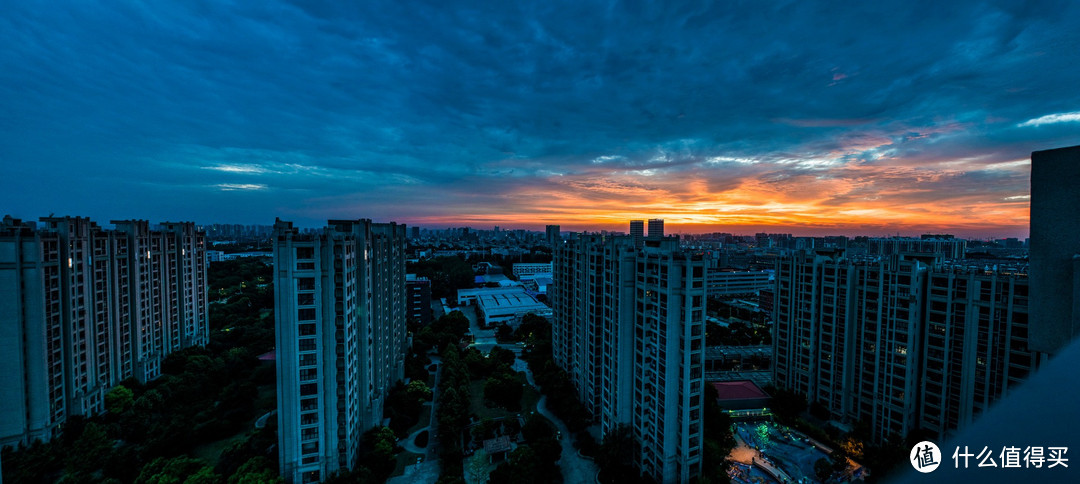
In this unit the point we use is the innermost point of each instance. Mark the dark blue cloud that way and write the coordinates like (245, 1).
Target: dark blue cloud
(418, 110)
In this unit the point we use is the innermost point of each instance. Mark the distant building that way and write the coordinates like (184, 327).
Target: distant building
(85, 308)
(637, 232)
(902, 342)
(528, 269)
(731, 282)
(553, 235)
(1055, 248)
(418, 292)
(340, 311)
(628, 328)
(950, 248)
(414, 232)
(656, 228)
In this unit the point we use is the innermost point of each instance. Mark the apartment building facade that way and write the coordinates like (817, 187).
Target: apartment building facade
(900, 342)
(90, 307)
(340, 317)
(629, 330)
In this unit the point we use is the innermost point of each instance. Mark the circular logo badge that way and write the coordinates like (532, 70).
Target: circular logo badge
(925, 456)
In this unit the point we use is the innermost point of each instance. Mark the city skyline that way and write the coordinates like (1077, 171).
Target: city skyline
(802, 118)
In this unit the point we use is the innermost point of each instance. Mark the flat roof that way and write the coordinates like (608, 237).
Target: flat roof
(738, 390)
(496, 445)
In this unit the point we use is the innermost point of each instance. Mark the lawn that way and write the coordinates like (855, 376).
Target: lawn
(210, 452)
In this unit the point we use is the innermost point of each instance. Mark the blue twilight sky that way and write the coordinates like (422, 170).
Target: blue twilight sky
(807, 117)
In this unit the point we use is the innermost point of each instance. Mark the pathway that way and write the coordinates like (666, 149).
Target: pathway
(575, 468)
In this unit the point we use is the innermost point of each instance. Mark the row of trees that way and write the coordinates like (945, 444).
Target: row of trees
(453, 415)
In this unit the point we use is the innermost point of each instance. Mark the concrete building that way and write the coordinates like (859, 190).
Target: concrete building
(731, 282)
(656, 228)
(86, 308)
(637, 232)
(553, 235)
(902, 342)
(629, 330)
(1055, 249)
(418, 291)
(340, 311)
(528, 269)
(950, 248)
(497, 306)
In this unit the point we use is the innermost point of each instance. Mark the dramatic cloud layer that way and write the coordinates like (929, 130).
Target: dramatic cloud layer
(811, 117)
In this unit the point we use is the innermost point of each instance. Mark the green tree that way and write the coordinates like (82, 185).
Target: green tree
(257, 470)
(175, 470)
(119, 399)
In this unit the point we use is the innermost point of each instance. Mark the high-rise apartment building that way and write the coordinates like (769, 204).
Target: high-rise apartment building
(86, 308)
(1055, 248)
(900, 342)
(340, 312)
(553, 235)
(656, 228)
(418, 292)
(629, 330)
(637, 231)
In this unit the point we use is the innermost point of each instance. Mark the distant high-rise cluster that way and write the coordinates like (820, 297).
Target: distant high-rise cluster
(629, 329)
(340, 312)
(900, 342)
(85, 308)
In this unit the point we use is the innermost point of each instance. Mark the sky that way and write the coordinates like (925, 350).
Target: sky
(797, 117)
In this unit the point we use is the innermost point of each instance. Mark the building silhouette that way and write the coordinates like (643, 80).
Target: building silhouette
(637, 231)
(1055, 248)
(553, 235)
(629, 330)
(85, 308)
(656, 228)
(340, 312)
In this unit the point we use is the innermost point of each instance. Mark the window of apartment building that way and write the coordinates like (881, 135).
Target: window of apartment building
(305, 252)
(307, 360)
(305, 299)
(305, 284)
(309, 418)
(307, 329)
(305, 314)
(307, 344)
(309, 389)
(309, 404)
(308, 374)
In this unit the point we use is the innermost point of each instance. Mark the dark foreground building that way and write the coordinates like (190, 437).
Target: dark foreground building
(340, 311)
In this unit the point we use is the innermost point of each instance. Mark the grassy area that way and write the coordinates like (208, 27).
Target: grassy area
(403, 460)
(211, 452)
(529, 397)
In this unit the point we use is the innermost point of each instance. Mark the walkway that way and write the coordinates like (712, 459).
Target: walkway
(575, 468)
